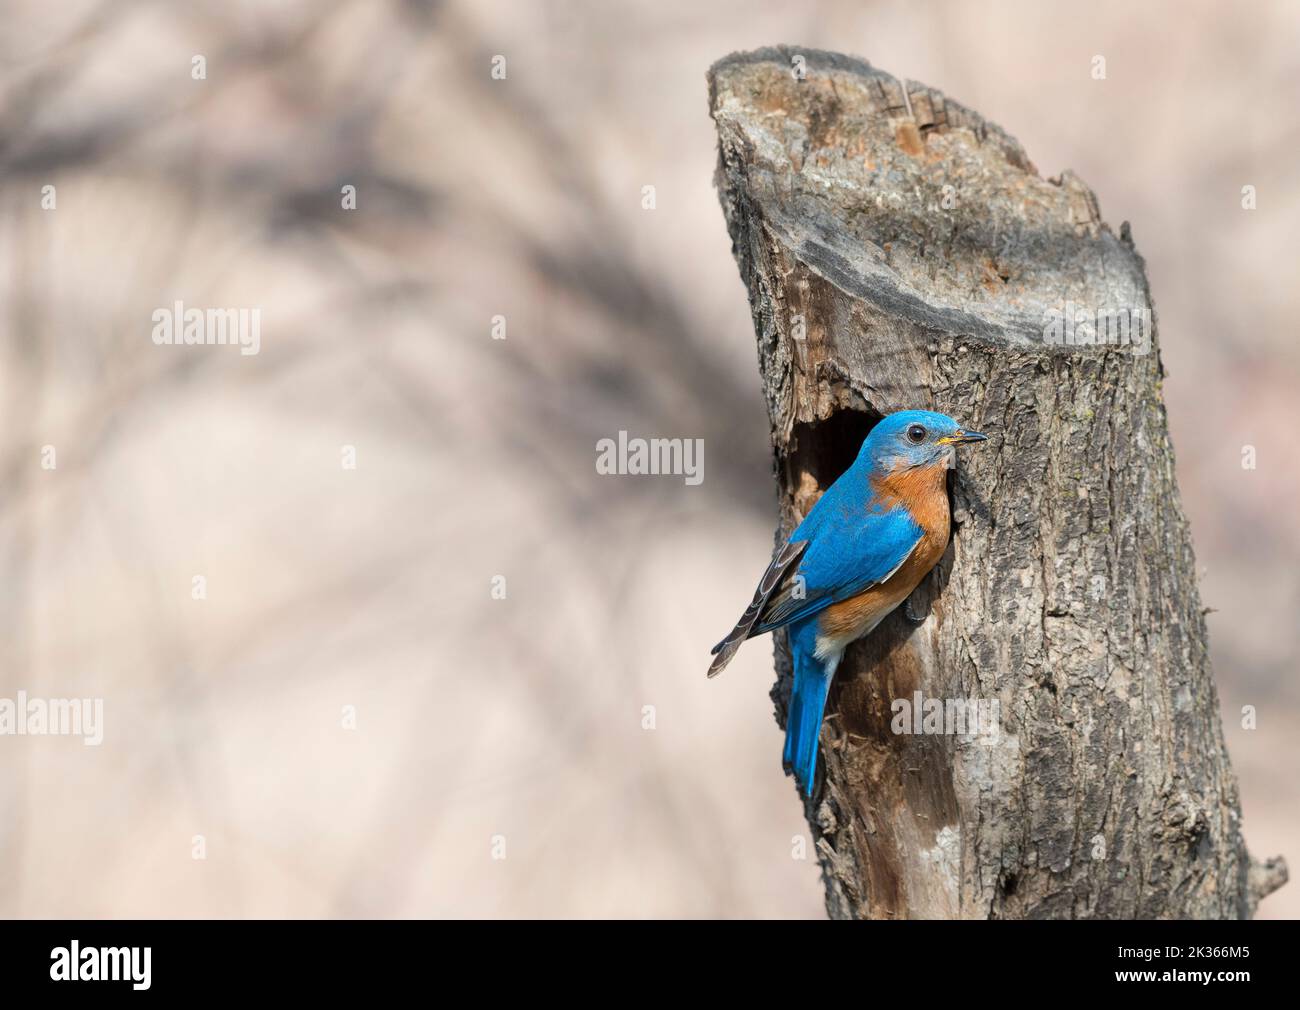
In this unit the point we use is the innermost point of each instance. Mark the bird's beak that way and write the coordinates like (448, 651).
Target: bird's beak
(963, 437)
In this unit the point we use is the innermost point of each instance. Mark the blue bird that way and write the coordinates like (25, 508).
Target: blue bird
(866, 544)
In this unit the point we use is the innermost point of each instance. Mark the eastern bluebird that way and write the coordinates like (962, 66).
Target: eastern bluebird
(866, 544)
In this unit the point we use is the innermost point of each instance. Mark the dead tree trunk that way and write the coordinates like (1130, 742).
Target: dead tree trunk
(900, 251)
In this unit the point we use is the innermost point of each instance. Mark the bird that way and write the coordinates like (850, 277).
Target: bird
(859, 553)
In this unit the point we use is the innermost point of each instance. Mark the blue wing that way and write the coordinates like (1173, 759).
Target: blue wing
(850, 548)
(842, 548)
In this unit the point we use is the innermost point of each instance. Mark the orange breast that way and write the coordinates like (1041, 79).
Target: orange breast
(925, 495)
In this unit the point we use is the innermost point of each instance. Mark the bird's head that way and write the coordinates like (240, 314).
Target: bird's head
(915, 438)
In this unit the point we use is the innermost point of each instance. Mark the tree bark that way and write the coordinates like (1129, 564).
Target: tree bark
(900, 251)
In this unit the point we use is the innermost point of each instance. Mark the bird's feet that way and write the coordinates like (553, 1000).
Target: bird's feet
(912, 618)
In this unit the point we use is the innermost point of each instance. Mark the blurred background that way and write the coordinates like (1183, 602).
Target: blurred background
(351, 724)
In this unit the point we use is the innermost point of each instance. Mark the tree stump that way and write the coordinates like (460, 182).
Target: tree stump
(901, 251)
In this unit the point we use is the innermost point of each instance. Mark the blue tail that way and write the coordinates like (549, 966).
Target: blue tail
(803, 723)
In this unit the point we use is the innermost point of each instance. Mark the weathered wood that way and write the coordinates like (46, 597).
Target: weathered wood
(901, 251)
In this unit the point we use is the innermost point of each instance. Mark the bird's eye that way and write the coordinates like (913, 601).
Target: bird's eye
(916, 434)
